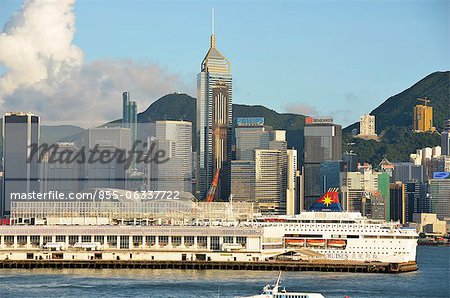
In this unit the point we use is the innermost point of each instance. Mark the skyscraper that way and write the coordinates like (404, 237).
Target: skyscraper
(417, 199)
(129, 115)
(243, 179)
(407, 171)
(116, 140)
(60, 176)
(360, 188)
(398, 202)
(266, 171)
(440, 196)
(268, 189)
(292, 203)
(249, 138)
(214, 121)
(175, 138)
(357, 185)
(323, 142)
(258, 181)
(21, 170)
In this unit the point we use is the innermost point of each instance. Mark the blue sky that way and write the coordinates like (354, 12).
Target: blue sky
(338, 58)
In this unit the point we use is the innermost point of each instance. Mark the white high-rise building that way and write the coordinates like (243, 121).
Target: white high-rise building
(269, 173)
(367, 126)
(429, 158)
(354, 186)
(291, 182)
(175, 174)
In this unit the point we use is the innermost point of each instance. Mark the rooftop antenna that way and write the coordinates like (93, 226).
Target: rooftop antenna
(212, 21)
(213, 38)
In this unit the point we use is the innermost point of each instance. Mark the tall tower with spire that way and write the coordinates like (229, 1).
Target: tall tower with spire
(214, 121)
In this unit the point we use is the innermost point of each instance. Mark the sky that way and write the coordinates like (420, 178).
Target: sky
(320, 58)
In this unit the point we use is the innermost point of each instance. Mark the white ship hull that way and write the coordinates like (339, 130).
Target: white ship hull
(365, 240)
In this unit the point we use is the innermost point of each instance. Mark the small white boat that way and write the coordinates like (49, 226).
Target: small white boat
(277, 292)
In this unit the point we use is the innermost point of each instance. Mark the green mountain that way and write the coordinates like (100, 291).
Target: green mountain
(396, 145)
(183, 107)
(175, 106)
(397, 110)
(394, 122)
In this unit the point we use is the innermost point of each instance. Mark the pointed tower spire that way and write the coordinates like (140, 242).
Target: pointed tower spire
(213, 37)
(212, 21)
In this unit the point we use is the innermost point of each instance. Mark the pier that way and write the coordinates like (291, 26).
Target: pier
(323, 266)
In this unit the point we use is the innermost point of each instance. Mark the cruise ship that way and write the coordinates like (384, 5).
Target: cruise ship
(323, 233)
(339, 235)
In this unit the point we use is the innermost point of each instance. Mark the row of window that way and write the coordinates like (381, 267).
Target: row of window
(136, 240)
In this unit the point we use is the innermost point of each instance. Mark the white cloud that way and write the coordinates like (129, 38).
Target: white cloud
(46, 74)
(36, 45)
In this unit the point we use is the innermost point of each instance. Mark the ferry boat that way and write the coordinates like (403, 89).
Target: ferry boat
(277, 292)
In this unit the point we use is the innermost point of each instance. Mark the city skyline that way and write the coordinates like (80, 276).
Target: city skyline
(209, 176)
(123, 61)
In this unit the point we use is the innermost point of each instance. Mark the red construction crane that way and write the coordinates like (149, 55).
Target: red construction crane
(212, 190)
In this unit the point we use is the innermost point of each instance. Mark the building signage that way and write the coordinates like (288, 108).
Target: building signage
(441, 175)
(250, 121)
(311, 120)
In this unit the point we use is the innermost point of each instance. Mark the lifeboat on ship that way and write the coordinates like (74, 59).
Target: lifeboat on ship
(316, 242)
(336, 243)
(295, 242)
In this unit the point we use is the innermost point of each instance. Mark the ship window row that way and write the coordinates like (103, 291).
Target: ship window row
(376, 252)
(287, 295)
(337, 224)
(366, 228)
(307, 221)
(334, 230)
(390, 237)
(384, 247)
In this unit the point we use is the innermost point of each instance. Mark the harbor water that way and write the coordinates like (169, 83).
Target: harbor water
(431, 280)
